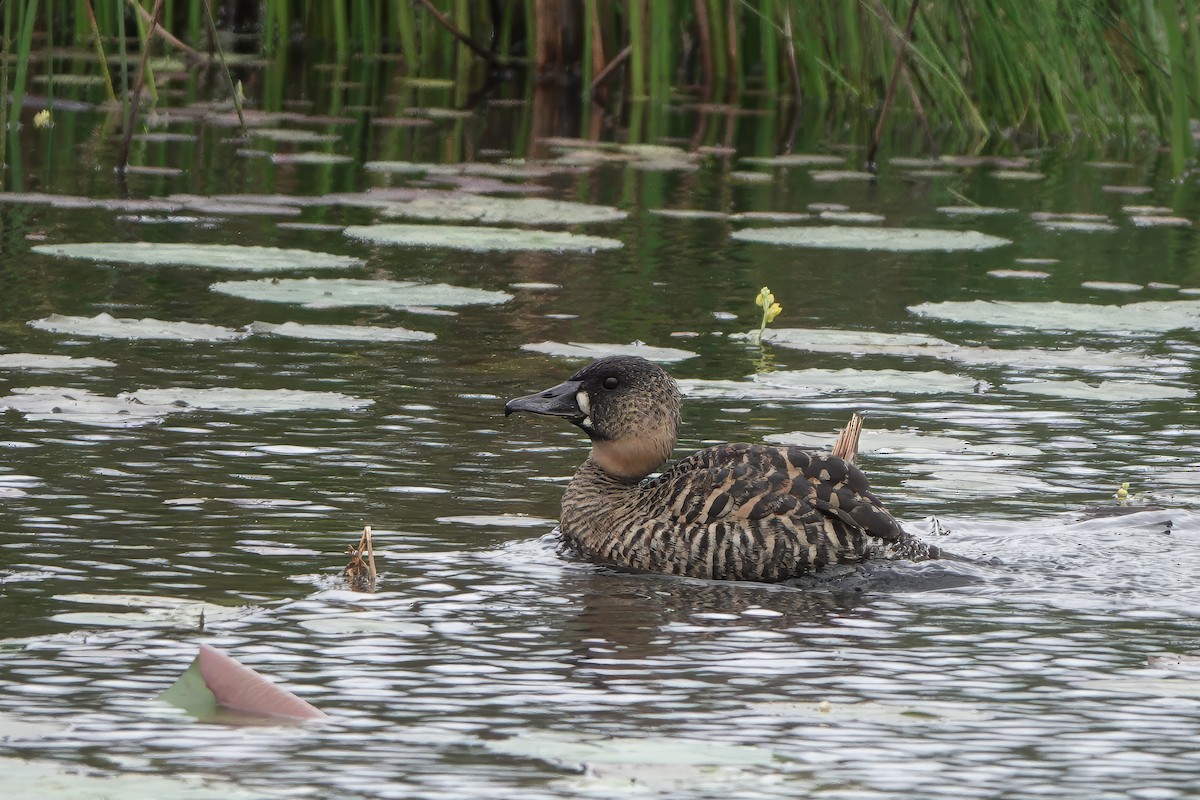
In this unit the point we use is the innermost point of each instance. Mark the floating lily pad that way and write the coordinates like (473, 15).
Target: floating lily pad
(294, 136)
(577, 749)
(885, 381)
(740, 176)
(794, 160)
(24, 778)
(1107, 391)
(37, 361)
(154, 611)
(888, 239)
(217, 256)
(975, 211)
(499, 521)
(338, 292)
(1027, 274)
(310, 158)
(874, 713)
(740, 390)
(1159, 221)
(771, 216)
(1147, 317)
(592, 350)
(249, 400)
(918, 345)
(342, 333)
(852, 216)
(83, 407)
(1017, 175)
(797, 384)
(1112, 286)
(493, 210)
(903, 442)
(1125, 189)
(106, 326)
(480, 239)
(1080, 226)
(840, 175)
(688, 213)
(360, 622)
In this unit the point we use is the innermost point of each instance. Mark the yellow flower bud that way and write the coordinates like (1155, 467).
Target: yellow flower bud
(773, 311)
(42, 119)
(764, 298)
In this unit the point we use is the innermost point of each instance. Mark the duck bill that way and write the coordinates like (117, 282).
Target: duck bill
(558, 401)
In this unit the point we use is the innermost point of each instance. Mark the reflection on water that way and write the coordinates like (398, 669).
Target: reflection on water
(491, 665)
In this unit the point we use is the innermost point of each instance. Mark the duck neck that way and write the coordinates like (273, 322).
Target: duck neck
(630, 459)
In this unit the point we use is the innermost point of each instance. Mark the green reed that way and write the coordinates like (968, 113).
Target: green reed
(1036, 69)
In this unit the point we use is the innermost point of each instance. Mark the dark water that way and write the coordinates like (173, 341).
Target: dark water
(489, 665)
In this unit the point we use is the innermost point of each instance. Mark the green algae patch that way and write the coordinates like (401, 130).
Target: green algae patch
(899, 240)
(481, 239)
(216, 256)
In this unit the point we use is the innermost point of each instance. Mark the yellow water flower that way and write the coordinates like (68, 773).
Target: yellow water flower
(42, 119)
(1122, 495)
(771, 309)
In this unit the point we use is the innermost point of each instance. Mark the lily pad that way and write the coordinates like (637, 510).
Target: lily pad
(591, 350)
(153, 611)
(310, 158)
(83, 407)
(249, 400)
(578, 749)
(855, 217)
(480, 239)
(106, 326)
(908, 443)
(217, 256)
(38, 361)
(341, 333)
(974, 211)
(1152, 316)
(794, 160)
(840, 175)
(881, 381)
(887, 239)
(499, 521)
(1106, 392)
(789, 385)
(1159, 221)
(918, 345)
(338, 292)
(493, 210)
(294, 136)
(1080, 226)
(1112, 286)
(23, 778)
(1027, 274)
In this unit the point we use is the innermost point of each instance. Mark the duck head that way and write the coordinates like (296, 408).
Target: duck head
(628, 407)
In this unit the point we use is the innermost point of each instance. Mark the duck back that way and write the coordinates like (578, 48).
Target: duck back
(734, 512)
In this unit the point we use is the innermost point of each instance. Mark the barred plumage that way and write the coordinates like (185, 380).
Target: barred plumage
(733, 511)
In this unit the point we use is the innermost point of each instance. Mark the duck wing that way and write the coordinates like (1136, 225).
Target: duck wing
(743, 482)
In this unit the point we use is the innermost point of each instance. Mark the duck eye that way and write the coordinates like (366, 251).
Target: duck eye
(611, 383)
